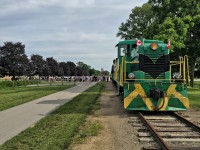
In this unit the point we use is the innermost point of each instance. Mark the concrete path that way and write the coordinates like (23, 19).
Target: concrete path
(17, 119)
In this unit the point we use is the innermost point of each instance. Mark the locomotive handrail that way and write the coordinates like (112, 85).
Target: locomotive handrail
(183, 64)
(181, 61)
(187, 68)
(157, 79)
(124, 69)
(175, 62)
(121, 71)
(183, 67)
(136, 62)
(116, 70)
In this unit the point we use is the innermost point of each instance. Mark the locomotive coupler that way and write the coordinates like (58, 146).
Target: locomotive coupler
(156, 94)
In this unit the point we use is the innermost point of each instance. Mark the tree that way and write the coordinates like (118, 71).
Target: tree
(37, 64)
(173, 8)
(179, 20)
(193, 44)
(139, 19)
(82, 69)
(13, 59)
(53, 66)
(106, 73)
(60, 71)
(72, 67)
(66, 69)
(124, 30)
(176, 30)
(79, 71)
(46, 71)
(97, 72)
(92, 72)
(167, 19)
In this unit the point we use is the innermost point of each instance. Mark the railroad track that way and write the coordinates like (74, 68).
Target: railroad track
(167, 131)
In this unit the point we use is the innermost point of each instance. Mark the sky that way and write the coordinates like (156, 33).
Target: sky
(67, 30)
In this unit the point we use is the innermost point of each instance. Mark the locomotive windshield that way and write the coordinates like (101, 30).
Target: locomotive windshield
(124, 50)
(129, 51)
(134, 53)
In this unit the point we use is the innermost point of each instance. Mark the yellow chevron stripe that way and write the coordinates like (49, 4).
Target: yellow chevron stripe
(146, 100)
(183, 99)
(172, 90)
(138, 90)
(129, 98)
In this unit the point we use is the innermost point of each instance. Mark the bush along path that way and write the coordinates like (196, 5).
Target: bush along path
(57, 130)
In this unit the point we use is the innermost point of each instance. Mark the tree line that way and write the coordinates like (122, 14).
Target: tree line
(178, 21)
(14, 62)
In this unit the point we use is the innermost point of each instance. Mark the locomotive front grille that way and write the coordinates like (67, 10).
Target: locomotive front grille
(161, 76)
(154, 67)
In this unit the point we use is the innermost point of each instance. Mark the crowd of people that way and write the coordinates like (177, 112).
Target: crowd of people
(81, 78)
(65, 78)
(88, 78)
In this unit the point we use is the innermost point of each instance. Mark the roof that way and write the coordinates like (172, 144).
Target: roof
(144, 41)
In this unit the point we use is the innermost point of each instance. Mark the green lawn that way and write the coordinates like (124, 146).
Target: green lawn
(194, 97)
(57, 130)
(10, 97)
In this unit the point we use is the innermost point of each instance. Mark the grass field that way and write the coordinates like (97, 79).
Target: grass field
(194, 97)
(10, 97)
(57, 130)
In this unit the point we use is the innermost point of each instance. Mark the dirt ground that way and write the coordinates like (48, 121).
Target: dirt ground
(118, 132)
(192, 115)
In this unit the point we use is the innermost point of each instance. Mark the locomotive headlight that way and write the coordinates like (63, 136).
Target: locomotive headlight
(154, 46)
(131, 76)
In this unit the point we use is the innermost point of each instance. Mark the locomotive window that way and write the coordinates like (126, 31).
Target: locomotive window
(134, 46)
(134, 52)
(124, 50)
(128, 50)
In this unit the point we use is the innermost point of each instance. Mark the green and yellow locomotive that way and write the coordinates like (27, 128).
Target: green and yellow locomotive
(147, 79)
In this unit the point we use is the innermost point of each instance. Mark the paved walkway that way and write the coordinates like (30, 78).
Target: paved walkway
(17, 119)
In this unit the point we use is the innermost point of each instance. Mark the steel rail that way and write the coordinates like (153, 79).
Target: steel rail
(158, 138)
(189, 123)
